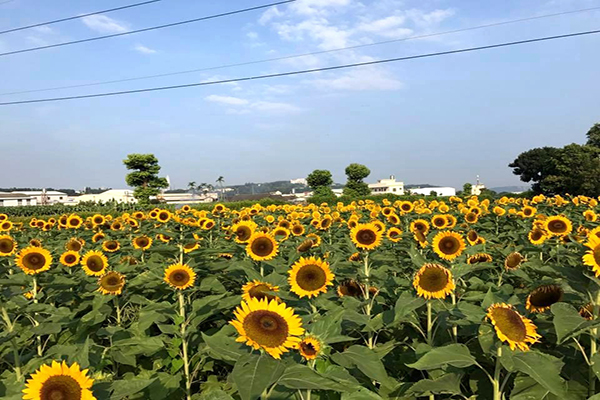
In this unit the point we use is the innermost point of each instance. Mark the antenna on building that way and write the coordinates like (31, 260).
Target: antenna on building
(169, 182)
(477, 180)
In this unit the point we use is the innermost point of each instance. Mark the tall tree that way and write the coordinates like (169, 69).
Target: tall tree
(220, 180)
(593, 136)
(144, 177)
(320, 181)
(355, 186)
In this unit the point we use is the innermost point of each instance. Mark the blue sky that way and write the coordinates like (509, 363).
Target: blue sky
(437, 120)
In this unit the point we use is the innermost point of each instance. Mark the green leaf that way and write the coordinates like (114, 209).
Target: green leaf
(596, 364)
(224, 347)
(302, 377)
(361, 394)
(568, 323)
(215, 395)
(543, 368)
(46, 328)
(129, 387)
(366, 360)
(416, 257)
(406, 305)
(252, 374)
(527, 388)
(486, 337)
(457, 355)
(449, 383)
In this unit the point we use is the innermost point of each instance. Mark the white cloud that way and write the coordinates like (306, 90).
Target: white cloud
(144, 50)
(252, 35)
(268, 15)
(274, 107)
(226, 100)
(361, 79)
(43, 29)
(104, 24)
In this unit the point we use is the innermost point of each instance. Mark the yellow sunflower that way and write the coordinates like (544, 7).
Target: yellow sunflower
(433, 281)
(281, 234)
(74, 244)
(111, 282)
(262, 246)
(305, 246)
(479, 258)
(98, 237)
(419, 225)
(439, 221)
(242, 231)
(592, 257)
(448, 245)
(316, 239)
(513, 260)
(8, 246)
(298, 229)
(310, 347)
(511, 327)
(394, 234)
(180, 276)
(355, 257)
(33, 260)
(271, 326)
(558, 226)
(259, 290)
(59, 381)
(94, 263)
(537, 236)
(351, 288)
(142, 242)
(366, 236)
(74, 221)
(69, 258)
(163, 216)
(310, 276)
(111, 246)
(542, 298)
(6, 226)
(189, 247)
(98, 219)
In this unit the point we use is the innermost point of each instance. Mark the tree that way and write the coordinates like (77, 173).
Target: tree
(192, 188)
(145, 177)
(220, 180)
(467, 187)
(593, 136)
(320, 181)
(355, 186)
(536, 165)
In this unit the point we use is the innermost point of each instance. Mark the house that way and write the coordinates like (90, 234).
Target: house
(477, 188)
(16, 199)
(118, 195)
(385, 186)
(439, 191)
(45, 196)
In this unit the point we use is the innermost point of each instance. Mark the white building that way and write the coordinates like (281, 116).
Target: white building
(385, 186)
(187, 198)
(440, 191)
(16, 199)
(45, 197)
(477, 188)
(299, 181)
(118, 195)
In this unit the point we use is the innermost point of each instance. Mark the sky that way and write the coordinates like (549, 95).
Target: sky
(441, 120)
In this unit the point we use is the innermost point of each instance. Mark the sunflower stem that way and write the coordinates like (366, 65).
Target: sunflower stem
(455, 327)
(497, 372)
(35, 300)
(593, 347)
(429, 324)
(184, 344)
(11, 327)
(118, 309)
(262, 269)
(366, 294)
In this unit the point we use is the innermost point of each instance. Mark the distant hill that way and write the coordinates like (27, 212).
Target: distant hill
(510, 189)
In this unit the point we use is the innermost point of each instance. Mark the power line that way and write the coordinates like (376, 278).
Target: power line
(78, 16)
(6, 2)
(306, 71)
(301, 55)
(152, 28)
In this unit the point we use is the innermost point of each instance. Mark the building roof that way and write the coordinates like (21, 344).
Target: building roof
(39, 193)
(254, 197)
(4, 195)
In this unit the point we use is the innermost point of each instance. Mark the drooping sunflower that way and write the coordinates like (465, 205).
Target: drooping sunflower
(355, 257)
(394, 234)
(305, 246)
(513, 260)
(98, 237)
(142, 242)
(94, 263)
(59, 381)
(309, 277)
(33, 260)
(242, 231)
(316, 239)
(592, 257)
(479, 258)
(111, 246)
(587, 311)
(433, 281)
(511, 327)
(472, 237)
(69, 258)
(558, 225)
(542, 298)
(74, 244)
(366, 236)
(259, 290)
(8, 246)
(269, 325)
(310, 347)
(163, 238)
(111, 282)
(448, 245)
(351, 288)
(180, 276)
(262, 247)
(189, 247)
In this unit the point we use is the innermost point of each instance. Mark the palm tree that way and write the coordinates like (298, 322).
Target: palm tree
(220, 181)
(192, 187)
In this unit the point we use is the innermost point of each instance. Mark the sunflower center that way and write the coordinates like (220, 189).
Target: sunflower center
(74, 246)
(142, 242)
(311, 277)
(6, 245)
(73, 222)
(266, 328)
(261, 291)
(433, 280)
(95, 263)
(262, 247)
(537, 235)
(472, 236)
(510, 323)
(179, 278)
(545, 296)
(243, 233)
(111, 245)
(308, 348)
(513, 260)
(60, 387)
(350, 289)
(420, 227)
(596, 252)
(70, 258)
(366, 236)
(557, 226)
(34, 261)
(449, 245)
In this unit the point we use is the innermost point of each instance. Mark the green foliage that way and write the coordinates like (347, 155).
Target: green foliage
(593, 136)
(319, 178)
(145, 177)
(355, 186)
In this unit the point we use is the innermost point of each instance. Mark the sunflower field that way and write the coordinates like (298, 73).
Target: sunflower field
(460, 298)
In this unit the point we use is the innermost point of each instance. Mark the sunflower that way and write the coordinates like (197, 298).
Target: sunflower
(393, 219)
(142, 242)
(513, 260)
(450, 221)
(310, 276)
(163, 238)
(419, 225)
(59, 381)
(189, 247)
(587, 311)
(163, 216)
(271, 326)
(94, 263)
(69, 258)
(592, 256)
(33, 260)
(394, 234)
(351, 288)
(116, 226)
(8, 246)
(259, 290)
(227, 256)
(541, 298)
(281, 234)
(316, 239)
(439, 221)
(325, 223)
(242, 231)
(471, 218)
(180, 276)
(98, 237)
(479, 258)
(297, 229)
(305, 246)
(74, 244)
(111, 246)
(406, 207)
(590, 216)
(433, 281)
(74, 221)
(558, 225)
(472, 237)
(111, 282)
(310, 347)
(98, 219)
(6, 226)
(366, 236)
(537, 236)
(448, 245)
(511, 327)
(262, 246)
